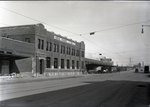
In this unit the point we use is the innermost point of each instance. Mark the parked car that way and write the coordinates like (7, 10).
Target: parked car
(136, 70)
(92, 71)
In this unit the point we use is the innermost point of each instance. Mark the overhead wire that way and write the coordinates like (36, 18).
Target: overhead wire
(93, 32)
(37, 20)
(77, 33)
(51, 26)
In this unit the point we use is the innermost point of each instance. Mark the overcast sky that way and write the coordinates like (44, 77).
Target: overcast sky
(117, 25)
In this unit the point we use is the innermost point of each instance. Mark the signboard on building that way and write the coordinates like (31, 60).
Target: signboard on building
(64, 40)
(106, 59)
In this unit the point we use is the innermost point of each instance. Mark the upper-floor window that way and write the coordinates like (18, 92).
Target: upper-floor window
(54, 47)
(73, 52)
(77, 53)
(61, 50)
(69, 51)
(82, 53)
(48, 46)
(64, 49)
(40, 44)
(57, 48)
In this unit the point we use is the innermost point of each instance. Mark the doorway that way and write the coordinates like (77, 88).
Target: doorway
(41, 66)
(5, 68)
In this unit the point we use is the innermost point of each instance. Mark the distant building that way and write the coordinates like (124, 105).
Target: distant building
(32, 50)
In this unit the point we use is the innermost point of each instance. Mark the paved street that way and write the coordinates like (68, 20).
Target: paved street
(124, 89)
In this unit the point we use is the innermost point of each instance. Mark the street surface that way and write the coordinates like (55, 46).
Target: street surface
(124, 89)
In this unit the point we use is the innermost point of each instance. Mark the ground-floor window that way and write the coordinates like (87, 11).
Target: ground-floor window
(77, 64)
(68, 64)
(72, 64)
(55, 62)
(62, 63)
(48, 62)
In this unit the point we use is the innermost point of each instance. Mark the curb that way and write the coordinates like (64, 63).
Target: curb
(13, 80)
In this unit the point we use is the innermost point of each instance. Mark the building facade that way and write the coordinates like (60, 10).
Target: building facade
(32, 50)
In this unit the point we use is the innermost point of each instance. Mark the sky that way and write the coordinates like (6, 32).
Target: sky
(117, 25)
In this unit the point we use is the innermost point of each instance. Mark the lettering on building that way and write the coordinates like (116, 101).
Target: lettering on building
(64, 40)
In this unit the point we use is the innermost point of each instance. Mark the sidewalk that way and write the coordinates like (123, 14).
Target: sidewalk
(5, 80)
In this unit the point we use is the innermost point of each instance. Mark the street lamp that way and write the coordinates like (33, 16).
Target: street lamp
(143, 29)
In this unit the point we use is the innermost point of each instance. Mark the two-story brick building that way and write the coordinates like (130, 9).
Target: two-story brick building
(32, 50)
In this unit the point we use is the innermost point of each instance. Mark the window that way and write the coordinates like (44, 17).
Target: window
(64, 50)
(55, 62)
(48, 62)
(68, 64)
(82, 53)
(72, 64)
(77, 53)
(57, 48)
(40, 44)
(27, 40)
(48, 46)
(77, 64)
(73, 52)
(54, 47)
(61, 50)
(62, 63)
(69, 51)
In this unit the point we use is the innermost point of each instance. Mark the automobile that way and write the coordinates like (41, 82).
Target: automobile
(92, 71)
(136, 70)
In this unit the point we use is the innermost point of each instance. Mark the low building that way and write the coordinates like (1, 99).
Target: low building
(31, 50)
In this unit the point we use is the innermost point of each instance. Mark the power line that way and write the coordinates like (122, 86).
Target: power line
(131, 51)
(50, 25)
(93, 32)
(38, 21)
(101, 47)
